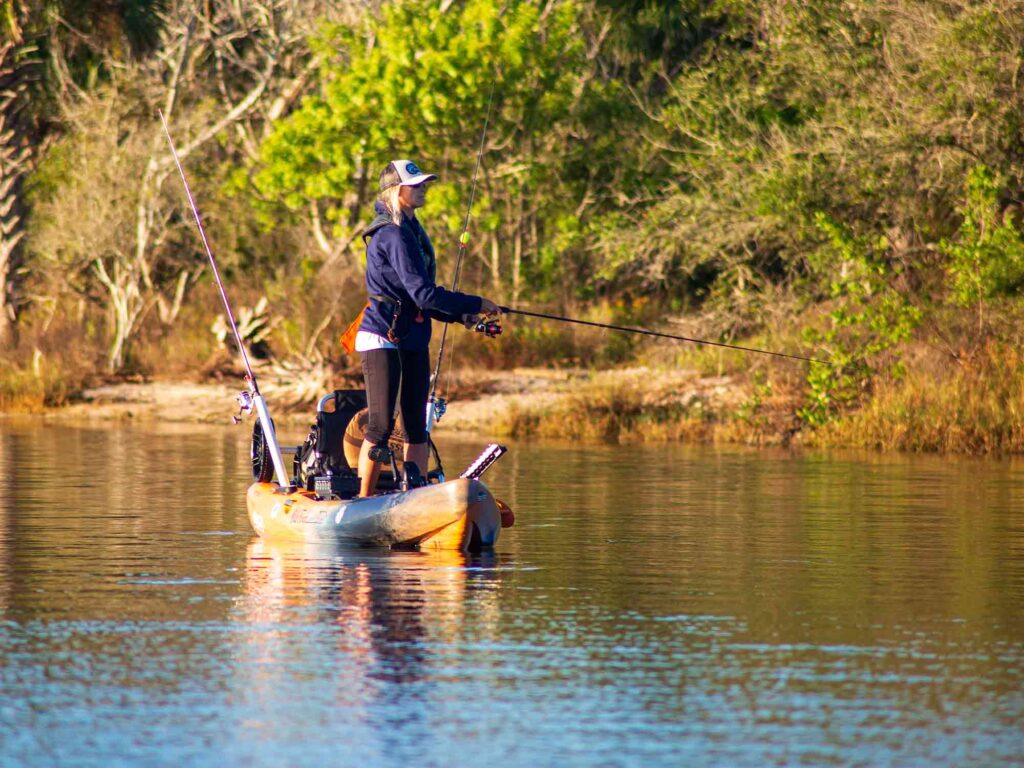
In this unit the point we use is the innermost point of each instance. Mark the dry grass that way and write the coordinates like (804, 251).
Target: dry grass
(31, 390)
(625, 406)
(48, 364)
(975, 406)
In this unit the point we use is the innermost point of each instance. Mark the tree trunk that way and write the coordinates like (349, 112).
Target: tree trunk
(126, 308)
(15, 155)
(517, 248)
(495, 263)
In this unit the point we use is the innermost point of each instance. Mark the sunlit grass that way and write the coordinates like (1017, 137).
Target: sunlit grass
(974, 406)
(31, 390)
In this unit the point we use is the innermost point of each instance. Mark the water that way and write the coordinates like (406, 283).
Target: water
(652, 606)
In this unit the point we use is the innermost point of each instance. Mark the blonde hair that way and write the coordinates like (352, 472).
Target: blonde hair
(390, 199)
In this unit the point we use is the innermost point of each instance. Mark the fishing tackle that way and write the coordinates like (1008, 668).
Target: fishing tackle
(489, 328)
(266, 453)
(436, 406)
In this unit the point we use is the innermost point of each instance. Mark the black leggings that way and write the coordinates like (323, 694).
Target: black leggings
(383, 369)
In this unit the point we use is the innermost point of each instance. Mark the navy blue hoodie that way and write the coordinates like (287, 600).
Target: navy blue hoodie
(400, 266)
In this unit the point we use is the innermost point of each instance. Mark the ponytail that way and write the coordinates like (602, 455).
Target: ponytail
(389, 197)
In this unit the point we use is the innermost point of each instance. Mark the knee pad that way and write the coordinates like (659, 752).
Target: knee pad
(381, 453)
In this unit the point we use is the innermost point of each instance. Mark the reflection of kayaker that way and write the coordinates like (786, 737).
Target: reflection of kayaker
(393, 337)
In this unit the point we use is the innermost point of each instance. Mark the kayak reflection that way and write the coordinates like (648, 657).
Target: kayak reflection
(393, 616)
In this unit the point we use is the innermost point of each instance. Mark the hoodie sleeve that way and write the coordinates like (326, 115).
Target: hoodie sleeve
(425, 293)
(444, 317)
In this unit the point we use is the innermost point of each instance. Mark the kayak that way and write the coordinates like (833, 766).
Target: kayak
(319, 502)
(459, 514)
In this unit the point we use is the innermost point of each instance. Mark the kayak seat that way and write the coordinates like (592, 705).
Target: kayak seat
(323, 453)
(331, 426)
(326, 462)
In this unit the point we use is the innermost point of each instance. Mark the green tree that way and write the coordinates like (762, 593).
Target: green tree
(986, 258)
(426, 97)
(872, 113)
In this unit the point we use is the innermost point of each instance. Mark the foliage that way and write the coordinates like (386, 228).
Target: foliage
(869, 318)
(430, 103)
(797, 109)
(850, 168)
(987, 259)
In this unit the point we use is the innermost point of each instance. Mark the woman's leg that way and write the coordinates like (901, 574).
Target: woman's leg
(368, 470)
(418, 454)
(381, 372)
(415, 391)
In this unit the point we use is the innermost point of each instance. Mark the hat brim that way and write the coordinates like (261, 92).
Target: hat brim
(419, 179)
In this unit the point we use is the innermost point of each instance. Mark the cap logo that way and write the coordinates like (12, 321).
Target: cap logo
(411, 169)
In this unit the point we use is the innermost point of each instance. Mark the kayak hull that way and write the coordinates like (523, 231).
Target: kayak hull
(459, 514)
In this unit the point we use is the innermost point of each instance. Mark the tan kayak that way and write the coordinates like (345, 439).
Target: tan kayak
(459, 514)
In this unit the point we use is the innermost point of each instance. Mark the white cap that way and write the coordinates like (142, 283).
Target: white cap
(405, 173)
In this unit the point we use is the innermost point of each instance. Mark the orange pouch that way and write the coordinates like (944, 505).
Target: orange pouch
(348, 338)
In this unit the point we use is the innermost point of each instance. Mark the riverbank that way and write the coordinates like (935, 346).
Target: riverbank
(973, 407)
(636, 404)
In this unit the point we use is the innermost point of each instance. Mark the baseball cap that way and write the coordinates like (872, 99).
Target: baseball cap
(403, 172)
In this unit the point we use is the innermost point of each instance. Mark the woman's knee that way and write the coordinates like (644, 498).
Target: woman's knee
(379, 427)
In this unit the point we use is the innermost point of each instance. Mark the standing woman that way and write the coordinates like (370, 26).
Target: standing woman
(394, 336)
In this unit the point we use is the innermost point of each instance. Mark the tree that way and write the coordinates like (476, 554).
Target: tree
(222, 72)
(428, 99)
(871, 114)
(15, 158)
(42, 55)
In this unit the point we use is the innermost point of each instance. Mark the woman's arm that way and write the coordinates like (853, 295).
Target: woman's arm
(443, 317)
(425, 293)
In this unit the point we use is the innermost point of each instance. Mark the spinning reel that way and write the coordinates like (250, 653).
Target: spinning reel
(489, 328)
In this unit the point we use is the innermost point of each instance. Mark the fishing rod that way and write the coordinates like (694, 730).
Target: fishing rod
(251, 398)
(436, 406)
(645, 332)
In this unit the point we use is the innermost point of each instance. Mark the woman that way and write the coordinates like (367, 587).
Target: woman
(394, 336)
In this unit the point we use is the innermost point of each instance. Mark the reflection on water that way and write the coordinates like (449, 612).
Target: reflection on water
(651, 606)
(388, 621)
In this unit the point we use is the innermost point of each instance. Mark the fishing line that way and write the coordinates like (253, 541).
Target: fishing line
(645, 332)
(264, 439)
(433, 401)
(213, 262)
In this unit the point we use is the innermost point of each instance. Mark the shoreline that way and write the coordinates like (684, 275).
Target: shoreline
(632, 405)
(519, 402)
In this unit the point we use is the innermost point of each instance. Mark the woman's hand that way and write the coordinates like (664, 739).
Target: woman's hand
(488, 307)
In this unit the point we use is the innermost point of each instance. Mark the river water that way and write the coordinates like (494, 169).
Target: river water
(652, 606)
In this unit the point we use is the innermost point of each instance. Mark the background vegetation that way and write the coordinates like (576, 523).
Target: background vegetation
(840, 178)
